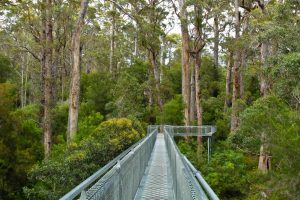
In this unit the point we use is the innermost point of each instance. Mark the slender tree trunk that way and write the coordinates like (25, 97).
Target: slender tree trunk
(244, 58)
(156, 73)
(264, 158)
(185, 61)
(112, 62)
(264, 83)
(241, 72)
(136, 51)
(22, 82)
(216, 40)
(227, 103)
(75, 79)
(63, 72)
(162, 51)
(198, 95)
(46, 76)
(199, 44)
(193, 94)
(236, 72)
(26, 81)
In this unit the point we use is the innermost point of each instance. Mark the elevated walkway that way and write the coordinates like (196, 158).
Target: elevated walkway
(152, 169)
(157, 180)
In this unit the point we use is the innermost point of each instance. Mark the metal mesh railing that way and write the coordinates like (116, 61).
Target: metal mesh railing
(121, 179)
(193, 130)
(185, 184)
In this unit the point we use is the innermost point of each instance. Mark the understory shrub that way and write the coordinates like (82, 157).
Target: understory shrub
(54, 177)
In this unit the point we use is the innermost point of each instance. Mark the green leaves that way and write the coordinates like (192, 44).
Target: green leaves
(286, 77)
(227, 174)
(54, 177)
(172, 112)
(281, 125)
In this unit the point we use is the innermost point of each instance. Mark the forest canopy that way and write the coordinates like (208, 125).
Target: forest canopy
(80, 80)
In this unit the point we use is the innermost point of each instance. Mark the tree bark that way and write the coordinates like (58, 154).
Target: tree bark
(216, 40)
(236, 72)
(193, 94)
(199, 44)
(185, 61)
(46, 75)
(242, 68)
(198, 95)
(227, 103)
(26, 80)
(22, 82)
(75, 79)
(112, 63)
(136, 51)
(156, 73)
(264, 158)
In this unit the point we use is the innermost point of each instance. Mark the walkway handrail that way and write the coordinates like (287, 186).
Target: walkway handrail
(98, 174)
(205, 188)
(211, 194)
(185, 184)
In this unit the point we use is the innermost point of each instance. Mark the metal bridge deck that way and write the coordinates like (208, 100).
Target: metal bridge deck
(157, 180)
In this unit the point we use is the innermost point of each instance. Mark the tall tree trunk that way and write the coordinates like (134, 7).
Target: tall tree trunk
(264, 158)
(216, 40)
(162, 51)
(112, 62)
(198, 95)
(241, 71)
(227, 103)
(26, 80)
(22, 81)
(46, 76)
(185, 61)
(199, 44)
(75, 79)
(193, 94)
(156, 73)
(136, 50)
(162, 57)
(244, 58)
(236, 71)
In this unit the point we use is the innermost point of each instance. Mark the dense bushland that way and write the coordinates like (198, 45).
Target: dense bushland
(104, 75)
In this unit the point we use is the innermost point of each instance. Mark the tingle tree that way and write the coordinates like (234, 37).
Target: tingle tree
(75, 79)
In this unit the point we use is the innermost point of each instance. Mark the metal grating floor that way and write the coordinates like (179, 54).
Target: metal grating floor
(157, 180)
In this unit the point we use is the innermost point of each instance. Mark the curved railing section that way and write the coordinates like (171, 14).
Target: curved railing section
(120, 178)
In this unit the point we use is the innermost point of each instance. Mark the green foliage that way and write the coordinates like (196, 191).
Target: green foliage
(96, 90)
(88, 124)
(209, 78)
(8, 175)
(254, 122)
(269, 115)
(60, 119)
(214, 114)
(5, 69)
(129, 99)
(117, 133)
(171, 82)
(54, 177)
(227, 174)
(26, 126)
(172, 112)
(286, 76)
(7, 99)
(20, 138)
